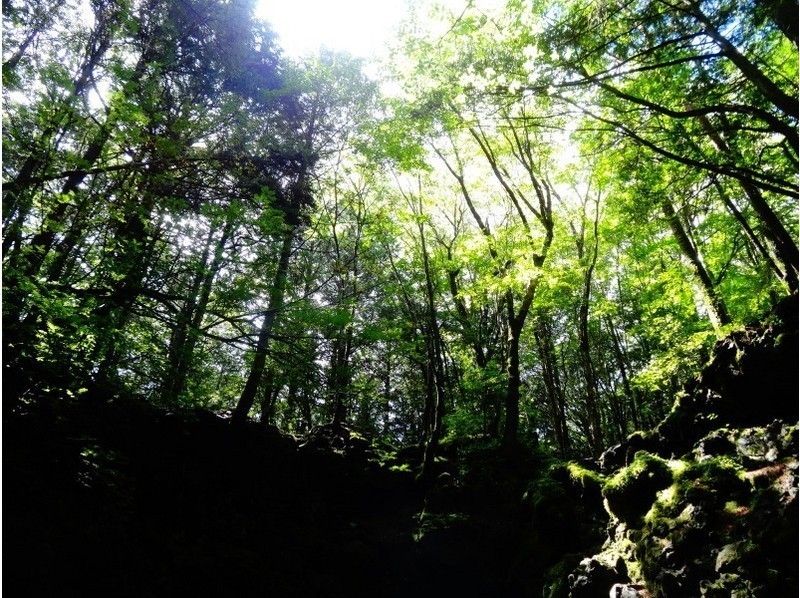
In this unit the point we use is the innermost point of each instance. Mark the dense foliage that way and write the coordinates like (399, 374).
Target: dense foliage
(527, 232)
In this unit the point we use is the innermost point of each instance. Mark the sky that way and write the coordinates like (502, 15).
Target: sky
(363, 28)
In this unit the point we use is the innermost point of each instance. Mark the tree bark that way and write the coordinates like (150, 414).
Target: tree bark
(276, 298)
(435, 356)
(619, 356)
(187, 328)
(715, 302)
(511, 429)
(584, 343)
(784, 243)
(780, 99)
(555, 397)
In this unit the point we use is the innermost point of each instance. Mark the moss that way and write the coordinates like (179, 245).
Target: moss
(714, 481)
(584, 476)
(621, 547)
(631, 491)
(555, 583)
(701, 509)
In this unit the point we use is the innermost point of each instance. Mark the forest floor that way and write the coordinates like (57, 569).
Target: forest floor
(114, 497)
(123, 499)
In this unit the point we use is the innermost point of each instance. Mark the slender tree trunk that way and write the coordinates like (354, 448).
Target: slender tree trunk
(269, 396)
(276, 298)
(511, 430)
(306, 420)
(187, 328)
(750, 233)
(131, 265)
(340, 375)
(589, 376)
(716, 303)
(592, 395)
(555, 399)
(387, 390)
(434, 343)
(634, 407)
(784, 243)
(784, 14)
(769, 89)
(18, 200)
(43, 241)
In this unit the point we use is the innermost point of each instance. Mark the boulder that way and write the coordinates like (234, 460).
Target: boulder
(733, 556)
(631, 491)
(592, 579)
(629, 590)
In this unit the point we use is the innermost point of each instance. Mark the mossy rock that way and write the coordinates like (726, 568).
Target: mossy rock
(583, 484)
(700, 513)
(719, 442)
(726, 586)
(632, 490)
(560, 521)
(593, 578)
(555, 582)
(712, 482)
(699, 487)
(734, 556)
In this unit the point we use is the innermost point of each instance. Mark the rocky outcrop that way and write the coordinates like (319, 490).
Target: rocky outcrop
(706, 504)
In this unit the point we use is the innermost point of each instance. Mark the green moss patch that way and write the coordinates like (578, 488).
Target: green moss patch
(631, 491)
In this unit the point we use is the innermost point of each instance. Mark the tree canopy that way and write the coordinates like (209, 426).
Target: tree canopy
(527, 229)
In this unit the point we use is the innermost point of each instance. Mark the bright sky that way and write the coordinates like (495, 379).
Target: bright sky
(361, 27)
(364, 28)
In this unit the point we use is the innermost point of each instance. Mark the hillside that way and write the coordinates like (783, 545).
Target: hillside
(106, 494)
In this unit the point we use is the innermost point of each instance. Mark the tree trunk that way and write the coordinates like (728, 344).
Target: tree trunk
(276, 298)
(18, 200)
(784, 243)
(715, 302)
(187, 328)
(269, 396)
(434, 344)
(555, 398)
(43, 241)
(634, 407)
(339, 375)
(750, 233)
(769, 89)
(784, 14)
(584, 344)
(511, 430)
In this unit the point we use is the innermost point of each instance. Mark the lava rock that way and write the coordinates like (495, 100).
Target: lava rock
(592, 579)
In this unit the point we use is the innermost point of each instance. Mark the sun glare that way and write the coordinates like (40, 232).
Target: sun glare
(363, 28)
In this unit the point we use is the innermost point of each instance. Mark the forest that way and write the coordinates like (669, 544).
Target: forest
(450, 324)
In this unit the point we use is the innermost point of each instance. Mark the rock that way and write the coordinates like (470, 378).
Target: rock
(613, 458)
(732, 556)
(717, 443)
(592, 579)
(752, 447)
(623, 453)
(729, 585)
(721, 521)
(555, 580)
(631, 491)
(756, 446)
(628, 590)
